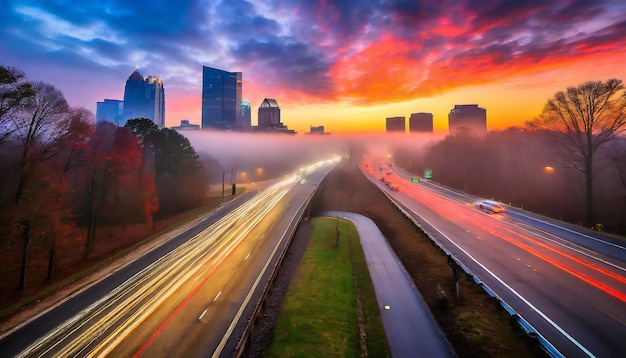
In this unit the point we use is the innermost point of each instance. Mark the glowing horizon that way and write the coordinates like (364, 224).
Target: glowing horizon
(346, 66)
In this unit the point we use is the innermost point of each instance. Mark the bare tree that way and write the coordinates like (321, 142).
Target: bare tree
(585, 118)
(38, 129)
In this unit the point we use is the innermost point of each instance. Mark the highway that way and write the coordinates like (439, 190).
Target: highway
(186, 298)
(568, 283)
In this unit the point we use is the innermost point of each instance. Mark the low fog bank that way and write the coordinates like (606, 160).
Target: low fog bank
(523, 168)
(261, 156)
(526, 169)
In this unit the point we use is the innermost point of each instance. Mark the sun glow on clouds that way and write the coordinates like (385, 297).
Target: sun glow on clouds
(367, 77)
(343, 64)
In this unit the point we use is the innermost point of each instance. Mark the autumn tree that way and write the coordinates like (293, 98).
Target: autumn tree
(36, 127)
(584, 118)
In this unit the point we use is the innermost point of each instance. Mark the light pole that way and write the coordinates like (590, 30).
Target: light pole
(223, 175)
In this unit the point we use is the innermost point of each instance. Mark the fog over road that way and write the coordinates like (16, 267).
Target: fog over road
(568, 284)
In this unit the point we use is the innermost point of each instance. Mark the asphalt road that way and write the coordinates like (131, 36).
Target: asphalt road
(410, 327)
(568, 283)
(184, 298)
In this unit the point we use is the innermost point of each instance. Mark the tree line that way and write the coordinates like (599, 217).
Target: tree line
(568, 163)
(64, 176)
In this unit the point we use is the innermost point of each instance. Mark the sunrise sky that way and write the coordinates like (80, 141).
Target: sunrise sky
(344, 64)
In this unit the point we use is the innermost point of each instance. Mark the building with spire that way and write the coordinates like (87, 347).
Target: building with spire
(221, 99)
(144, 98)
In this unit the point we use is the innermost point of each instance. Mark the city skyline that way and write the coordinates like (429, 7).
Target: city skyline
(345, 66)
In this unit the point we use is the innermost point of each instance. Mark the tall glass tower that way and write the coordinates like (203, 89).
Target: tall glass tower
(221, 99)
(246, 114)
(156, 100)
(144, 98)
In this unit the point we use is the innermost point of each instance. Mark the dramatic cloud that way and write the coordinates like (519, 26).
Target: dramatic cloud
(361, 52)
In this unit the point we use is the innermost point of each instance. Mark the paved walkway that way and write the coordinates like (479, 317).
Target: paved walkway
(410, 327)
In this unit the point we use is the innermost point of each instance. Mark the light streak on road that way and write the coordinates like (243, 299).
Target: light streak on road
(99, 328)
(518, 295)
(488, 235)
(467, 217)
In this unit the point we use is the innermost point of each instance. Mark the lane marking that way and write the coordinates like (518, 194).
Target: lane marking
(570, 230)
(247, 256)
(244, 304)
(203, 313)
(539, 312)
(218, 296)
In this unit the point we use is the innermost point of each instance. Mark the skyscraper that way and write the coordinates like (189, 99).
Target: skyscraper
(135, 101)
(421, 122)
(269, 114)
(110, 110)
(144, 98)
(467, 118)
(246, 114)
(221, 99)
(396, 124)
(156, 100)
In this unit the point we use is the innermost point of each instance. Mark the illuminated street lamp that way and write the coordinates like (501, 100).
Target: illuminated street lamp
(259, 172)
(548, 169)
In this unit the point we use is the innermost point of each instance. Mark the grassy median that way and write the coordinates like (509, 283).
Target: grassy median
(330, 308)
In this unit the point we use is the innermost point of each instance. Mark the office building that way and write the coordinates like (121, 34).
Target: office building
(110, 110)
(269, 118)
(467, 118)
(144, 98)
(269, 114)
(221, 99)
(317, 130)
(421, 123)
(246, 114)
(396, 124)
(156, 100)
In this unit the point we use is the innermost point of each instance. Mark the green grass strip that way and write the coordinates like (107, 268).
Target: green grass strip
(319, 316)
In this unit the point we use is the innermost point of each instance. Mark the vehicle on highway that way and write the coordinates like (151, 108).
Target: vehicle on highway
(489, 205)
(394, 186)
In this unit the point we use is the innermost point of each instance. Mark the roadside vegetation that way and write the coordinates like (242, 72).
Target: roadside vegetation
(330, 309)
(475, 324)
(122, 241)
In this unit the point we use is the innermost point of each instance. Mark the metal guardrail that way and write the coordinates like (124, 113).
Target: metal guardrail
(242, 343)
(521, 322)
